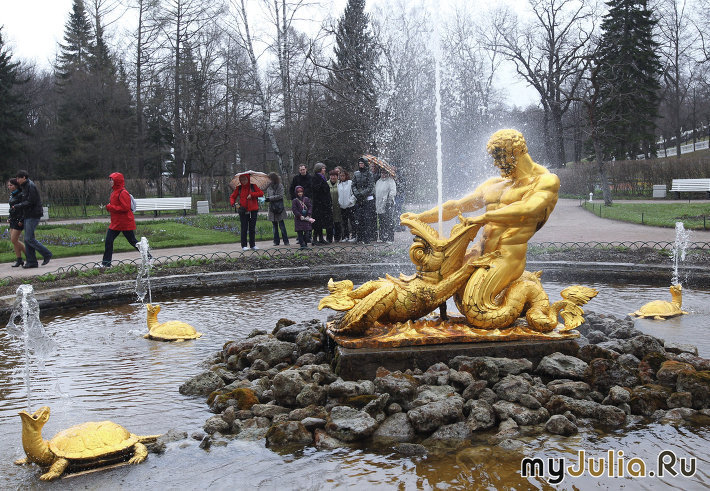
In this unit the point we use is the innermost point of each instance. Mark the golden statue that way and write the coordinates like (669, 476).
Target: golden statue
(168, 331)
(82, 446)
(489, 283)
(661, 309)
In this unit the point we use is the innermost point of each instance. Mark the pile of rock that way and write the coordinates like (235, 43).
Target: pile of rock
(279, 386)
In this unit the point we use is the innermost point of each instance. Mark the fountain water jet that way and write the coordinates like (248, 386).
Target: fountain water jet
(143, 277)
(682, 239)
(30, 332)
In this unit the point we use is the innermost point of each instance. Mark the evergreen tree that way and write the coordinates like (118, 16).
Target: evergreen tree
(13, 107)
(94, 116)
(351, 110)
(628, 70)
(77, 51)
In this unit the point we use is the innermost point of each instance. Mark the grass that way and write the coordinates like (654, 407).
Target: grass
(87, 239)
(693, 215)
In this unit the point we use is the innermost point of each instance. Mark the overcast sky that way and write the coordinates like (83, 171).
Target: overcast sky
(33, 29)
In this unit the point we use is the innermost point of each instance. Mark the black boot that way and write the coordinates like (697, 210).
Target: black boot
(18, 262)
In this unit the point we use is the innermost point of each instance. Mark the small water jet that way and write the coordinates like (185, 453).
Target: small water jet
(682, 239)
(143, 277)
(25, 326)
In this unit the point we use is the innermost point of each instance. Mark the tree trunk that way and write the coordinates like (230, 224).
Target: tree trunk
(601, 166)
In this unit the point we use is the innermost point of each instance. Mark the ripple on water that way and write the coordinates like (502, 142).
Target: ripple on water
(104, 369)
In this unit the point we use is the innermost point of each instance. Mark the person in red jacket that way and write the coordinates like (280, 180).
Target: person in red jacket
(245, 196)
(122, 219)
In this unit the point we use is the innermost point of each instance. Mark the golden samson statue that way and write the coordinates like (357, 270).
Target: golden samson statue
(488, 281)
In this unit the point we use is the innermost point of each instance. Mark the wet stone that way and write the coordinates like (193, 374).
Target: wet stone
(396, 427)
(560, 425)
(349, 424)
(680, 348)
(558, 365)
(202, 384)
(576, 389)
(592, 351)
(429, 417)
(410, 449)
(474, 389)
(680, 399)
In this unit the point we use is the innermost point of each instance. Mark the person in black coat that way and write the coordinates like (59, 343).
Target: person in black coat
(322, 206)
(31, 206)
(304, 180)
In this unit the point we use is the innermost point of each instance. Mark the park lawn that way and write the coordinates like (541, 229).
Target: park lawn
(693, 215)
(87, 239)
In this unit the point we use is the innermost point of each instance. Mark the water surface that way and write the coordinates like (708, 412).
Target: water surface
(104, 369)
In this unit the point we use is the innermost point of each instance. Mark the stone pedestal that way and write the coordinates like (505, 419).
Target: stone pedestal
(362, 363)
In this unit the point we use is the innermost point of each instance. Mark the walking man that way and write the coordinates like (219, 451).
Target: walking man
(31, 206)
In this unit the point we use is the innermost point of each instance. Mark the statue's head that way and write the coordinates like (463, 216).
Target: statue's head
(506, 147)
(35, 420)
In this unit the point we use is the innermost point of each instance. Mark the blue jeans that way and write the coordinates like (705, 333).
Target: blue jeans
(31, 243)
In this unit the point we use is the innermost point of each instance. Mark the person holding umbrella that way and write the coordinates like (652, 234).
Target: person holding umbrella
(246, 196)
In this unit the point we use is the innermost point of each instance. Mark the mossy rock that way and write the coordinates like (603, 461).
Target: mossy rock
(360, 401)
(646, 399)
(698, 384)
(655, 360)
(219, 399)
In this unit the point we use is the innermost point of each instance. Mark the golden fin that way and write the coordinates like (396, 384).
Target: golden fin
(578, 294)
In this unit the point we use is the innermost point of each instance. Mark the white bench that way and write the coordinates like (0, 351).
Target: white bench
(163, 204)
(5, 211)
(690, 185)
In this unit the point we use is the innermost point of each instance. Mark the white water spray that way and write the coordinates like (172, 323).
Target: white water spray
(25, 326)
(682, 239)
(436, 44)
(143, 277)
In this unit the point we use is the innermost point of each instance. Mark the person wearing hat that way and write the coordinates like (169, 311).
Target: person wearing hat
(122, 219)
(363, 188)
(302, 209)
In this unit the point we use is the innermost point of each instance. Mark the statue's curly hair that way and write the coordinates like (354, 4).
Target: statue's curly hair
(512, 141)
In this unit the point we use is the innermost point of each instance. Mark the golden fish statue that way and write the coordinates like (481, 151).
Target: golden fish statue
(488, 281)
(440, 272)
(168, 331)
(86, 445)
(661, 309)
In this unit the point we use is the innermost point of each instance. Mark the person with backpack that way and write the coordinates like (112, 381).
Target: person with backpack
(120, 207)
(246, 196)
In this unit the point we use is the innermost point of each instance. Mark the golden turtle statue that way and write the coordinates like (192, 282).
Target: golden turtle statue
(85, 445)
(168, 331)
(661, 309)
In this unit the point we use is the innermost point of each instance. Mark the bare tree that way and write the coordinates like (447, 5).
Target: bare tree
(679, 43)
(146, 44)
(548, 52)
(242, 32)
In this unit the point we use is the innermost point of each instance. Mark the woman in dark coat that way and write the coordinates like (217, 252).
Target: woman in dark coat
(15, 221)
(274, 195)
(322, 206)
(302, 209)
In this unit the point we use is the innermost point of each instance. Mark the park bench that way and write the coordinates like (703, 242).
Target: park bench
(5, 211)
(163, 204)
(690, 185)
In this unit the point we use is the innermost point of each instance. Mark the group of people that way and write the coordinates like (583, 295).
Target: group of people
(326, 206)
(26, 211)
(346, 209)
